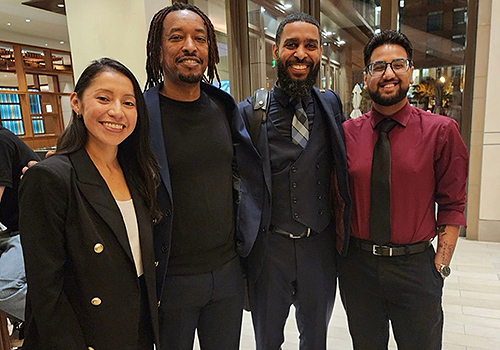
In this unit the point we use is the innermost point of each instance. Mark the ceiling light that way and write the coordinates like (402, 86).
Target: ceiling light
(287, 6)
(61, 42)
(60, 5)
(27, 20)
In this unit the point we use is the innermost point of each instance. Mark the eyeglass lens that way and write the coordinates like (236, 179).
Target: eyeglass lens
(399, 65)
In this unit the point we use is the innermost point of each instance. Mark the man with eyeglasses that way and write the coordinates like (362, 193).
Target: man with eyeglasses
(402, 161)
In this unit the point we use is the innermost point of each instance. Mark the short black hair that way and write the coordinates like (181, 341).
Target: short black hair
(295, 17)
(392, 37)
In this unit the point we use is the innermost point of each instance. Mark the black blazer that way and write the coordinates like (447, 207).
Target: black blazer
(83, 290)
(163, 230)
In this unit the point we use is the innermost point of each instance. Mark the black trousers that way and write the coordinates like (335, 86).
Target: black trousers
(211, 303)
(405, 290)
(301, 272)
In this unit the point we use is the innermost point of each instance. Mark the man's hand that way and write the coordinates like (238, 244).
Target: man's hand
(30, 164)
(33, 162)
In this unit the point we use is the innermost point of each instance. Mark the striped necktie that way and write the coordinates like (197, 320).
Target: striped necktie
(300, 126)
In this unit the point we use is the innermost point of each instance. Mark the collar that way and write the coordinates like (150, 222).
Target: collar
(284, 99)
(402, 116)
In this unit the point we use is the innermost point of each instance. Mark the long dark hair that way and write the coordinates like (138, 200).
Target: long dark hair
(153, 66)
(134, 153)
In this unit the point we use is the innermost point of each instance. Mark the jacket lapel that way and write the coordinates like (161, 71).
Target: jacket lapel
(337, 141)
(94, 189)
(152, 97)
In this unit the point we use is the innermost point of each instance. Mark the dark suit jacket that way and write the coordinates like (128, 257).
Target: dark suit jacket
(83, 289)
(163, 230)
(254, 169)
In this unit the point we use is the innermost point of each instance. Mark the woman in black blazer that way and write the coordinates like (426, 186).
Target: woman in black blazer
(86, 217)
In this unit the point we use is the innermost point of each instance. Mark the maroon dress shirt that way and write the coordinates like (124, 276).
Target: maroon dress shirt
(429, 163)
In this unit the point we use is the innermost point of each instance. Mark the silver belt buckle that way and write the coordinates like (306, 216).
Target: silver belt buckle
(291, 235)
(375, 247)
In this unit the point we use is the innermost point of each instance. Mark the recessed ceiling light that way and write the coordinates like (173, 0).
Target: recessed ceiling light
(46, 44)
(8, 23)
(61, 42)
(27, 20)
(60, 5)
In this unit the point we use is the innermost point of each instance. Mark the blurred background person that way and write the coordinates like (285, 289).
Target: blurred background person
(14, 154)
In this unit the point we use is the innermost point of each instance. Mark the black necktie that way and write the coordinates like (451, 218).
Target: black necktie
(380, 187)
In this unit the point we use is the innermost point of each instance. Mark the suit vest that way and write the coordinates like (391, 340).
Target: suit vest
(301, 178)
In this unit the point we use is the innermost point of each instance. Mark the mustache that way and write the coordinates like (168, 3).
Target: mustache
(390, 81)
(188, 55)
(298, 61)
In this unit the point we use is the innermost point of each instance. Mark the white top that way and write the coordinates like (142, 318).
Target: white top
(130, 219)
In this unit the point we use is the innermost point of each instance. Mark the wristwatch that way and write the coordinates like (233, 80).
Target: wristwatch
(444, 270)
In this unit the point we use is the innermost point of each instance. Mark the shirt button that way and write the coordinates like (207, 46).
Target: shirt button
(96, 301)
(320, 197)
(318, 182)
(296, 215)
(90, 348)
(158, 303)
(320, 212)
(294, 185)
(98, 248)
(317, 165)
(168, 213)
(263, 229)
(294, 201)
(157, 263)
(294, 169)
(164, 248)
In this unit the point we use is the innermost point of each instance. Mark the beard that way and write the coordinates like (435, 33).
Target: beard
(388, 100)
(296, 88)
(191, 78)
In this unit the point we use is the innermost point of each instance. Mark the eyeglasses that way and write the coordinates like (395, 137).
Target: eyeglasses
(398, 66)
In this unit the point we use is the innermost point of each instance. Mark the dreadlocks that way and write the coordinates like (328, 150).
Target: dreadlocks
(153, 67)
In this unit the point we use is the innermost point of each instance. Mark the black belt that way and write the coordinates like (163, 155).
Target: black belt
(306, 233)
(385, 250)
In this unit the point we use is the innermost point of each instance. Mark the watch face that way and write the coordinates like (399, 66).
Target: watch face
(445, 270)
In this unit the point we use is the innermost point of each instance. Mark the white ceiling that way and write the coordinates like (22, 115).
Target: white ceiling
(45, 29)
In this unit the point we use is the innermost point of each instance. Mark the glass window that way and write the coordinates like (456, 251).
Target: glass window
(61, 62)
(36, 114)
(10, 111)
(33, 59)
(343, 61)
(434, 21)
(263, 20)
(440, 63)
(459, 17)
(7, 61)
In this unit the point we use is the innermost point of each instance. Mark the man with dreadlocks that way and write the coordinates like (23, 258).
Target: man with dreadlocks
(302, 151)
(199, 280)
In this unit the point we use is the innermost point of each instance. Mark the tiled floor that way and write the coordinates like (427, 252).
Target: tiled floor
(471, 305)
